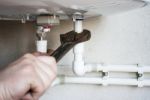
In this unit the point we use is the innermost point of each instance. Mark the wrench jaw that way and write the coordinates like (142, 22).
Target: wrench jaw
(82, 37)
(68, 41)
(74, 38)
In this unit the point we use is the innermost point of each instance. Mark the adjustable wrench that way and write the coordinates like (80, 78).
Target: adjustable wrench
(68, 41)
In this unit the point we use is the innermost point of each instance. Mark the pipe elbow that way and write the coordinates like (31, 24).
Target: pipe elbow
(79, 68)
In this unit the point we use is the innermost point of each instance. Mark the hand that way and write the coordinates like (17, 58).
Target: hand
(27, 78)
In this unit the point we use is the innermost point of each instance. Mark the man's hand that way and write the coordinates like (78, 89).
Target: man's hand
(27, 78)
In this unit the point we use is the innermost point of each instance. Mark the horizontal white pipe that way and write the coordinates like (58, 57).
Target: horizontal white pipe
(113, 68)
(100, 81)
(116, 68)
(139, 81)
(124, 68)
(146, 82)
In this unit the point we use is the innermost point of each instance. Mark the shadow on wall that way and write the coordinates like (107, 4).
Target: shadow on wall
(16, 39)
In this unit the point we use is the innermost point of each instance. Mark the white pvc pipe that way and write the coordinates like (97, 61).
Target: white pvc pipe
(78, 26)
(41, 46)
(106, 68)
(111, 68)
(100, 81)
(78, 63)
(105, 79)
(116, 68)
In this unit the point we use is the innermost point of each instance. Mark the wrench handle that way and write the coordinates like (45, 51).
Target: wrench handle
(61, 51)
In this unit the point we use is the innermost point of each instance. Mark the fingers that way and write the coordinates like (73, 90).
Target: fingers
(28, 96)
(46, 70)
(42, 57)
(28, 77)
(41, 61)
(50, 61)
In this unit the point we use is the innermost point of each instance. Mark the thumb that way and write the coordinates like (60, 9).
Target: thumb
(28, 96)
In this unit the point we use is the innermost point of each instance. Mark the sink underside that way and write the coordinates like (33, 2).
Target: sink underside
(16, 9)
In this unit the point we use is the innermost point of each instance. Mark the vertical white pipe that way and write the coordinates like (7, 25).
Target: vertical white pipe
(78, 26)
(78, 63)
(41, 46)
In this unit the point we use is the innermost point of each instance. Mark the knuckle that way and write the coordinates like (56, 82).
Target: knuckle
(27, 69)
(27, 61)
(52, 59)
(53, 75)
(55, 69)
(27, 55)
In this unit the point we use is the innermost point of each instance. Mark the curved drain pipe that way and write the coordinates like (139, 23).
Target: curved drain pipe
(78, 50)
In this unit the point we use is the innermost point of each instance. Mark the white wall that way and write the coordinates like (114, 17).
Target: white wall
(118, 39)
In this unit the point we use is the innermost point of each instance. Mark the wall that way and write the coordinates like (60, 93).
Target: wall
(15, 40)
(118, 39)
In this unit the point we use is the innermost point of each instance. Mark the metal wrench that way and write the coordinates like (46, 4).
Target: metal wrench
(68, 41)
